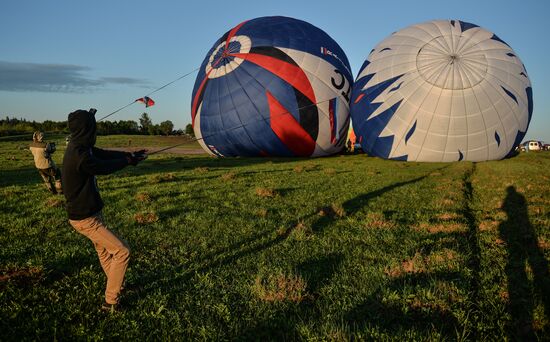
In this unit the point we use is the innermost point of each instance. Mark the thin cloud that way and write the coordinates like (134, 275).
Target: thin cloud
(63, 78)
(124, 80)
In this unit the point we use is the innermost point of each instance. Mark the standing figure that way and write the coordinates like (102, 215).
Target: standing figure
(81, 164)
(42, 153)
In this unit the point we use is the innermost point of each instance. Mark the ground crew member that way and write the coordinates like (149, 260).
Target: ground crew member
(81, 163)
(42, 153)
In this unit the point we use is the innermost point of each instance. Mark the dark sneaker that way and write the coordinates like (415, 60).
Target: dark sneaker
(110, 307)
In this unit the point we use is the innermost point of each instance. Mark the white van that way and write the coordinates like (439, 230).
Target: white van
(534, 146)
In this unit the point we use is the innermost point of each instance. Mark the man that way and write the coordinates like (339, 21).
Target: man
(42, 153)
(81, 163)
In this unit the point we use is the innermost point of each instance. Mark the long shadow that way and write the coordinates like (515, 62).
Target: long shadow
(376, 311)
(20, 176)
(182, 273)
(29, 175)
(522, 244)
(256, 243)
(471, 245)
(355, 204)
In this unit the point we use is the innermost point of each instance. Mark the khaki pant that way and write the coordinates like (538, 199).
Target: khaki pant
(114, 254)
(52, 179)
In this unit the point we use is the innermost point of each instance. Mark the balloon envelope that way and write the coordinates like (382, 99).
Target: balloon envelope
(441, 91)
(273, 86)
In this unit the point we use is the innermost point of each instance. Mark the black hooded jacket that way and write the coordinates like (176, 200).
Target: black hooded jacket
(82, 162)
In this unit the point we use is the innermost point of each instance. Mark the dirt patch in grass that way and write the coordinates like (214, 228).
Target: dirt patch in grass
(441, 227)
(437, 306)
(54, 202)
(262, 212)
(447, 202)
(410, 266)
(143, 197)
(283, 231)
(421, 264)
(377, 220)
(441, 258)
(488, 225)
(228, 176)
(543, 244)
(499, 242)
(301, 232)
(305, 168)
(503, 294)
(145, 218)
(448, 216)
(201, 169)
(329, 172)
(299, 169)
(334, 210)
(280, 287)
(266, 192)
(536, 210)
(162, 177)
(21, 276)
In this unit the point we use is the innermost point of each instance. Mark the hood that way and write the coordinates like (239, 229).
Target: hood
(82, 126)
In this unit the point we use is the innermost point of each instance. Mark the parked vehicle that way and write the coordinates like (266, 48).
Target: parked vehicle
(534, 146)
(531, 145)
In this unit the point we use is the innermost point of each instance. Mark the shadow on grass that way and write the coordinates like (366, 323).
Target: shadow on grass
(180, 274)
(23, 176)
(523, 249)
(396, 316)
(30, 175)
(380, 312)
(279, 323)
(357, 203)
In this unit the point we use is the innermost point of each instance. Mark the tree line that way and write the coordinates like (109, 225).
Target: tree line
(14, 126)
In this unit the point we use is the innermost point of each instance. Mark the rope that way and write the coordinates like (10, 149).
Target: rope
(152, 92)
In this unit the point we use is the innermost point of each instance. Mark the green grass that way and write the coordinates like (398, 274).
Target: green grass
(347, 247)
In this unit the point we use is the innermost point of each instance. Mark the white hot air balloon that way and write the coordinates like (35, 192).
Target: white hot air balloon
(441, 91)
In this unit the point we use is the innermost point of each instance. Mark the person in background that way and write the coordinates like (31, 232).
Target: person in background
(81, 164)
(42, 153)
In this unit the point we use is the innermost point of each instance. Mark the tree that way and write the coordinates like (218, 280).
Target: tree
(145, 123)
(189, 130)
(154, 130)
(166, 127)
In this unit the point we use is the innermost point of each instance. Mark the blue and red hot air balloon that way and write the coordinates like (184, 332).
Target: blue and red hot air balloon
(273, 86)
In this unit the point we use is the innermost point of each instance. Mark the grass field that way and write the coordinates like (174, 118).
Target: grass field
(347, 247)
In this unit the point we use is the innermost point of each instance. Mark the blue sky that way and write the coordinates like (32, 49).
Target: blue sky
(58, 56)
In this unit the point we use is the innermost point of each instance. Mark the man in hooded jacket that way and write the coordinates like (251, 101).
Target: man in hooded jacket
(81, 163)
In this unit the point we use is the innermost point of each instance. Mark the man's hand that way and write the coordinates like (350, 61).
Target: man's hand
(136, 157)
(141, 154)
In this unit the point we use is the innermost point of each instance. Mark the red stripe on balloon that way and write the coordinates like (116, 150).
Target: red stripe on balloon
(289, 131)
(286, 71)
(233, 32)
(197, 97)
(359, 98)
